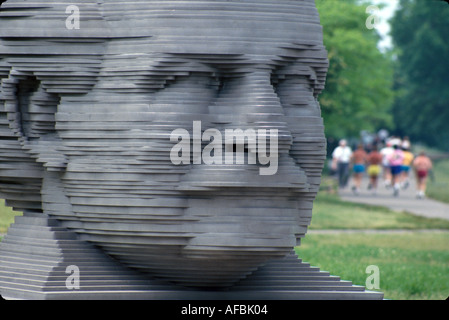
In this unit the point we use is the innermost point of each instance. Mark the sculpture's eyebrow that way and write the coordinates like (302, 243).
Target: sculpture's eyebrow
(62, 66)
(296, 70)
(201, 62)
(311, 68)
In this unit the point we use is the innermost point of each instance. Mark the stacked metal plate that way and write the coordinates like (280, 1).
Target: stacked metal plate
(96, 96)
(42, 260)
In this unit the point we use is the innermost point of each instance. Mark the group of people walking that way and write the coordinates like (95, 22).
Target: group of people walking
(393, 163)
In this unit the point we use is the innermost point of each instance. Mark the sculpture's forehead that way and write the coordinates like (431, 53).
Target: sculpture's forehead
(217, 27)
(236, 26)
(129, 36)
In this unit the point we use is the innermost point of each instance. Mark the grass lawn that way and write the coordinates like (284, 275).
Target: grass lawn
(438, 187)
(329, 212)
(6, 216)
(413, 266)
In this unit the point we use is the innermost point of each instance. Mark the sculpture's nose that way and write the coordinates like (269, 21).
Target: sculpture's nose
(256, 139)
(253, 103)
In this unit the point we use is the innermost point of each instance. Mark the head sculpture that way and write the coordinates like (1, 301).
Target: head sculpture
(87, 119)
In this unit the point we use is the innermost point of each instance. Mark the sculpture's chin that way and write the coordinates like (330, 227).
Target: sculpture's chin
(194, 266)
(200, 240)
(207, 259)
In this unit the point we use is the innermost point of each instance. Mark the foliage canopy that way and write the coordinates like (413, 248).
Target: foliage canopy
(358, 94)
(419, 31)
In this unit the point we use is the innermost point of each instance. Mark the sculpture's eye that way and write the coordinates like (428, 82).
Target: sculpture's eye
(31, 113)
(35, 109)
(25, 89)
(190, 93)
(297, 95)
(293, 90)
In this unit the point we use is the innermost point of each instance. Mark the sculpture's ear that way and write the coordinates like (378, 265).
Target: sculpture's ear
(31, 114)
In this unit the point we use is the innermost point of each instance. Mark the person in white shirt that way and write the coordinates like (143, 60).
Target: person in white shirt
(340, 162)
(385, 152)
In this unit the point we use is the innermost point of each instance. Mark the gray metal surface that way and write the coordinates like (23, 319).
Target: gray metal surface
(86, 116)
(37, 252)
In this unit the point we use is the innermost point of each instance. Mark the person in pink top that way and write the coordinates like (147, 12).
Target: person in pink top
(395, 159)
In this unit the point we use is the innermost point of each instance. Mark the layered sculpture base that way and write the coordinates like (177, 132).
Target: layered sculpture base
(36, 253)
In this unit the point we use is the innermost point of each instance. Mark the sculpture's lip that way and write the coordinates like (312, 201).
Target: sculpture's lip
(214, 185)
(244, 177)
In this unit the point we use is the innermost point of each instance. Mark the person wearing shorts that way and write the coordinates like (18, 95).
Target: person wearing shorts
(407, 162)
(395, 160)
(374, 160)
(374, 170)
(385, 152)
(422, 165)
(358, 160)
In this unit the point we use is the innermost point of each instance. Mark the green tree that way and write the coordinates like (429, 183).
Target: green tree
(358, 94)
(419, 31)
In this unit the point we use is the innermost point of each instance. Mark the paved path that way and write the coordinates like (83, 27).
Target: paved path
(376, 231)
(405, 201)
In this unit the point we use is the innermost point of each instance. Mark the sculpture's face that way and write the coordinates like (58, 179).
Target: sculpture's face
(111, 175)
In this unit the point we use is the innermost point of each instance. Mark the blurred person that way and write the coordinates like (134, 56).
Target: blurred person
(374, 161)
(340, 162)
(395, 160)
(383, 135)
(385, 152)
(406, 144)
(422, 165)
(406, 163)
(358, 159)
(395, 140)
